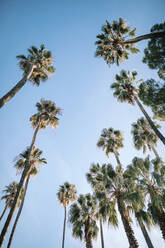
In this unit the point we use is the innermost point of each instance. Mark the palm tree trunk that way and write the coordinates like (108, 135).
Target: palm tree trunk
(128, 229)
(88, 235)
(152, 125)
(64, 227)
(17, 87)
(155, 152)
(3, 212)
(16, 198)
(101, 233)
(145, 37)
(19, 212)
(145, 234)
(117, 158)
(89, 241)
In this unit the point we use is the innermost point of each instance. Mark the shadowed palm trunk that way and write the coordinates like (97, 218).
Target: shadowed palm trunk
(101, 233)
(152, 125)
(20, 185)
(89, 241)
(145, 37)
(17, 87)
(128, 229)
(88, 235)
(4, 211)
(19, 213)
(145, 234)
(63, 240)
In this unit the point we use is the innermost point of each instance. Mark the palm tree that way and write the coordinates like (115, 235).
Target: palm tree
(112, 43)
(111, 141)
(83, 219)
(37, 66)
(35, 162)
(143, 136)
(150, 175)
(67, 192)
(46, 115)
(9, 194)
(112, 184)
(141, 215)
(105, 210)
(126, 92)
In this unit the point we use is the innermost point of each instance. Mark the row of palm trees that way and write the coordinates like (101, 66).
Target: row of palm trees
(28, 160)
(110, 186)
(144, 177)
(139, 189)
(10, 191)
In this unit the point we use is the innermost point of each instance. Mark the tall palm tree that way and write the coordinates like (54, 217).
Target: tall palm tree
(141, 215)
(111, 141)
(66, 194)
(46, 116)
(113, 185)
(35, 162)
(37, 66)
(105, 212)
(105, 209)
(143, 136)
(151, 176)
(126, 92)
(83, 219)
(9, 194)
(113, 45)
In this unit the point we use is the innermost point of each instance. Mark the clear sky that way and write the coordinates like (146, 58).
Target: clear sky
(80, 87)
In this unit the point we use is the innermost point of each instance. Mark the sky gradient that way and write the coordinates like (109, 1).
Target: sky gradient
(81, 88)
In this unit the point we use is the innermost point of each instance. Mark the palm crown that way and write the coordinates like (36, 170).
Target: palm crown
(143, 135)
(123, 86)
(110, 43)
(150, 175)
(82, 217)
(67, 192)
(35, 160)
(42, 61)
(105, 207)
(9, 194)
(112, 182)
(111, 140)
(47, 115)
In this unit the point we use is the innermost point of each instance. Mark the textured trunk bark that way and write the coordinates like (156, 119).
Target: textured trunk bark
(145, 37)
(4, 211)
(88, 235)
(89, 241)
(15, 202)
(16, 88)
(19, 212)
(152, 125)
(101, 233)
(63, 240)
(128, 229)
(117, 158)
(155, 152)
(145, 234)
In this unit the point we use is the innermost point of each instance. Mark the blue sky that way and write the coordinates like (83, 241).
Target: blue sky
(80, 87)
